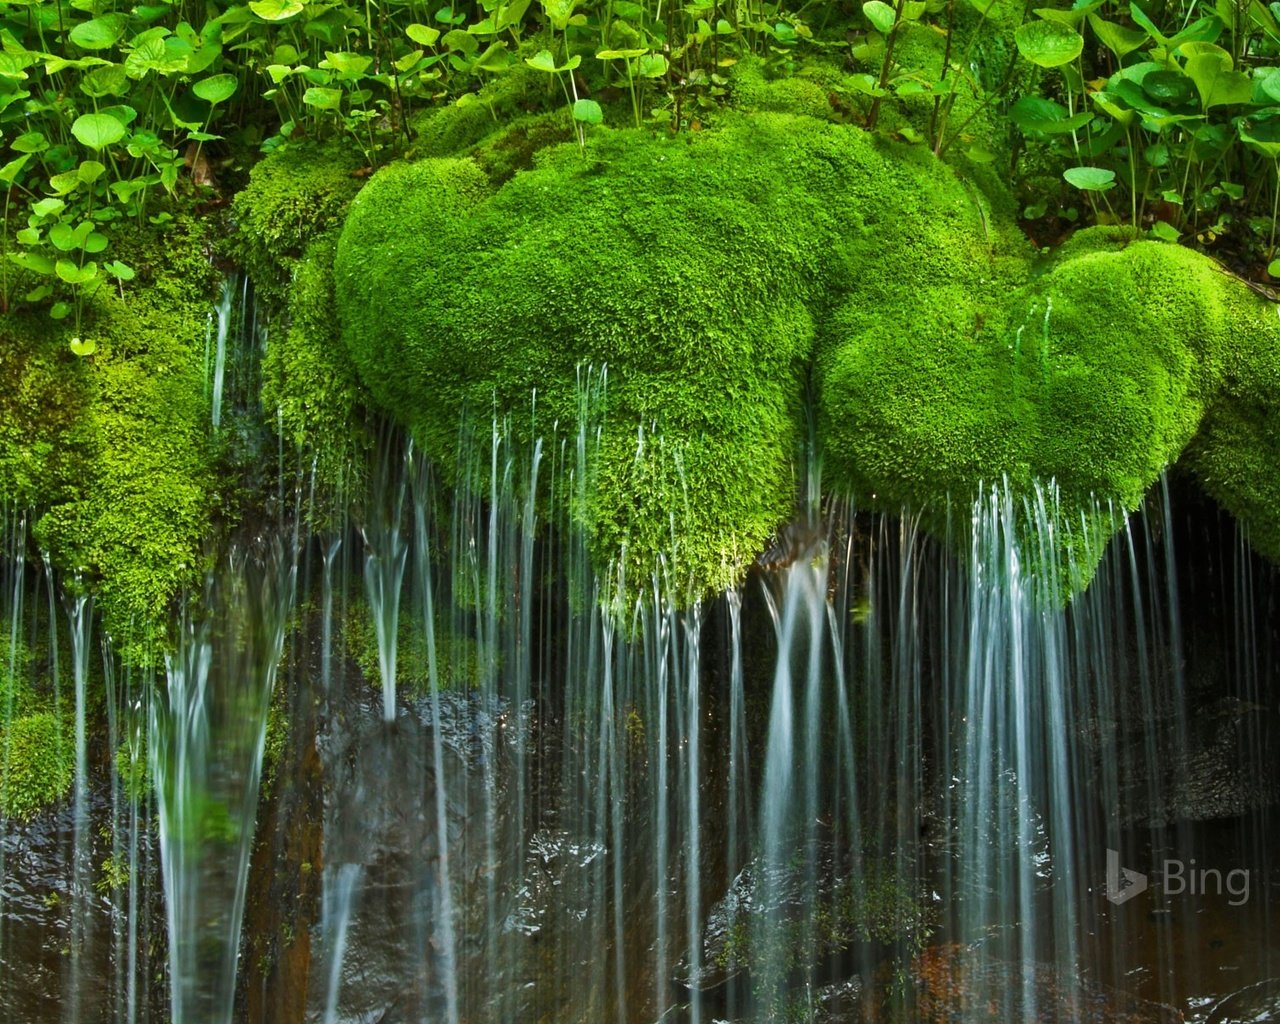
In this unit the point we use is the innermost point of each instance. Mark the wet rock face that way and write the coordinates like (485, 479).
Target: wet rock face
(1257, 1004)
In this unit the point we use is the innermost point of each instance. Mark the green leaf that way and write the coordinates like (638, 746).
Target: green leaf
(35, 262)
(1170, 88)
(30, 142)
(1090, 179)
(1262, 135)
(65, 183)
(60, 310)
(543, 61)
(423, 35)
(1035, 114)
(1273, 268)
(90, 171)
(95, 242)
(276, 10)
(322, 99)
(346, 63)
(558, 12)
(62, 237)
(1165, 231)
(1070, 17)
(100, 33)
(587, 111)
(97, 131)
(120, 271)
(1116, 38)
(215, 89)
(461, 40)
(881, 15)
(83, 347)
(651, 65)
(495, 59)
(1048, 43)
(75, 275)
(1210, 68)
(29, 236)
(48, 207)
(620, 54)
(108, 80)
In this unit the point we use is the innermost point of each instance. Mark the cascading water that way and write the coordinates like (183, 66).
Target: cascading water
(882, 780)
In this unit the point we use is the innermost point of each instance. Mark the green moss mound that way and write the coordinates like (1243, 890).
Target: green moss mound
(696, 268)
(1095, 376)
(712, 272)
(37, 768)
(113, 453)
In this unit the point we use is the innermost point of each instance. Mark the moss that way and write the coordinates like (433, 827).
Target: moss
(704, 330)
(308, 377)
(457, 658)
(706, 270)
(1096, 376)
(294, 196)
(38, 766)
(113, 453)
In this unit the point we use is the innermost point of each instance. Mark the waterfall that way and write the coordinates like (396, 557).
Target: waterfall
(207, 736)
(886, 774)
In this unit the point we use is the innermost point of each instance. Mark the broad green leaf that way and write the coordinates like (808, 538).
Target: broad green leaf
(83, 347)
(1107, 102)
(1034, 114)
(118, 270)
(48, 207)
(90, 171)
(100, 33)
(1072, 16)
(348, 63)
(1047, 43)
(65, 183)
(543, 61)
(215, 89)
(880, 14)
(1262, 134)
(1210, 68)
(279, 72)
(322, 99)
(95, 242)
(276, 10)
(36, 262)
(30, 142)
(423, 35)
(1090, 179)
(10, 171)
(558, 12)
(651, 65)
(97, 131)
(461, 41)
(75, 275)
(1266, 85)
(108, 80)
(62, 237)
(1116, 38)
(1165, 231)
(495, 59)
(60, 310)
(1169, 88)
(620, 54)
(29, 236)
(587, 111)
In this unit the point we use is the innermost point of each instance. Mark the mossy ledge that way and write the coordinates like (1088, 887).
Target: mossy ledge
(113, 454)
(713, 273)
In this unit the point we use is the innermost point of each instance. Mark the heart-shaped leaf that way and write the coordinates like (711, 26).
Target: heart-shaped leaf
(83, 347)
(1116, 38)
(97, 131)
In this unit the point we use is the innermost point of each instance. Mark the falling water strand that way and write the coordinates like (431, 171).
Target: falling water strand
(80, 615)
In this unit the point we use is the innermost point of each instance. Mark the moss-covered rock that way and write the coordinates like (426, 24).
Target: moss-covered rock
(114, 453)
(707, 270)
(1096, 376)
(697, 268)
(37, 766)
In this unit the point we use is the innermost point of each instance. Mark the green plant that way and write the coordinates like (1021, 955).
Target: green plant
(37, 767)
